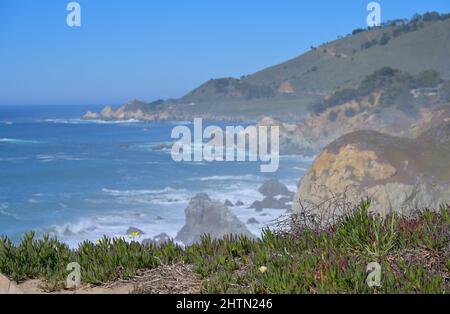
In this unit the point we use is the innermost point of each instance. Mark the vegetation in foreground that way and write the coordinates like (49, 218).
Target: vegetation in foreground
(414, 254)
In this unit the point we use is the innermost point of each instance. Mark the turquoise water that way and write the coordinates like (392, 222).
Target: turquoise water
(81, 180)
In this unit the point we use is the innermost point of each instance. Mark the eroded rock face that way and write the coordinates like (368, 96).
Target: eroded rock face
(140, 111)
(91, 116)
(108, 113)
(317, 131)
(205, 216)
(293, 139)
(350, 166)
(397, 174)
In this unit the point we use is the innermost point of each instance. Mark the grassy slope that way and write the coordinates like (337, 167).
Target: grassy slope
(413, 52)
(413, 253)
(253, 108)
(316, 73)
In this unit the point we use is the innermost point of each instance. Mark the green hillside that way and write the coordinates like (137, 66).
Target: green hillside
(414, 46)
(348, 60)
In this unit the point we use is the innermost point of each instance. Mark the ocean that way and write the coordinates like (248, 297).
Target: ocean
(80, 180)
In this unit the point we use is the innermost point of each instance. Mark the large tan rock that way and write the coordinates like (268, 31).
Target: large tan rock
(8, 287)
(398, 174)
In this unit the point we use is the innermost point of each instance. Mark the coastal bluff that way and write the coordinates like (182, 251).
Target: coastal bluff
(397, 174)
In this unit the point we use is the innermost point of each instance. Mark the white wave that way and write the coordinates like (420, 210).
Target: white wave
(18, 141)
(62, 121)
(247, 177)
(300, 168)
(234, 191)
(58, 157)
(3, 211)
(181, 122)
(166, 196)
(301, 158)
(82, 121)
(116, 224)
(138, 192)
(167, 200)
(81, 227)
(13, 159)
(197, 163)
(114, 122)
(155, 146)
(7, 122)
(168, 203)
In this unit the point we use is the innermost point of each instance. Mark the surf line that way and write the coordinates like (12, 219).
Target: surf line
(233, 143)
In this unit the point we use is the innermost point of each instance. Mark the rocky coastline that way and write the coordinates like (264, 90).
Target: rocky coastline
(399, 175)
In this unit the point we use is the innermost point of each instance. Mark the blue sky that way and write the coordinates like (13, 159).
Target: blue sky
(162, 48)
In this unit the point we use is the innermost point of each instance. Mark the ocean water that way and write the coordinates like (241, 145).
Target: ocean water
(80, 180)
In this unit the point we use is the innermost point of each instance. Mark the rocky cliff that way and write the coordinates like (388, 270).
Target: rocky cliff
(317, 131)
(397, 174)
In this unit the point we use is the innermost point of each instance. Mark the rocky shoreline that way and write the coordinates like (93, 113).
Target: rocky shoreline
(207, 216)
(124, 114)
(310, 133)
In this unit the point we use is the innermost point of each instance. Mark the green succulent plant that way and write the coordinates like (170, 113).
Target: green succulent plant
(413, 253)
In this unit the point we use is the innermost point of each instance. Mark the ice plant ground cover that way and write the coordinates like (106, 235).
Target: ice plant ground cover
(414, 254)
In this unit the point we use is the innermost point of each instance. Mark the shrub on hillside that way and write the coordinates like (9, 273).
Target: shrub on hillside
(395, 86)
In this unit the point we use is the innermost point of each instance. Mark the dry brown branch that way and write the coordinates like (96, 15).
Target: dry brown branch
(321, 214)
(168, 279)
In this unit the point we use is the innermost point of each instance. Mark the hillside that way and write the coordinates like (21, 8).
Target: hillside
(415, 46)
(388, 101)
(291, 89)
(420, 44)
